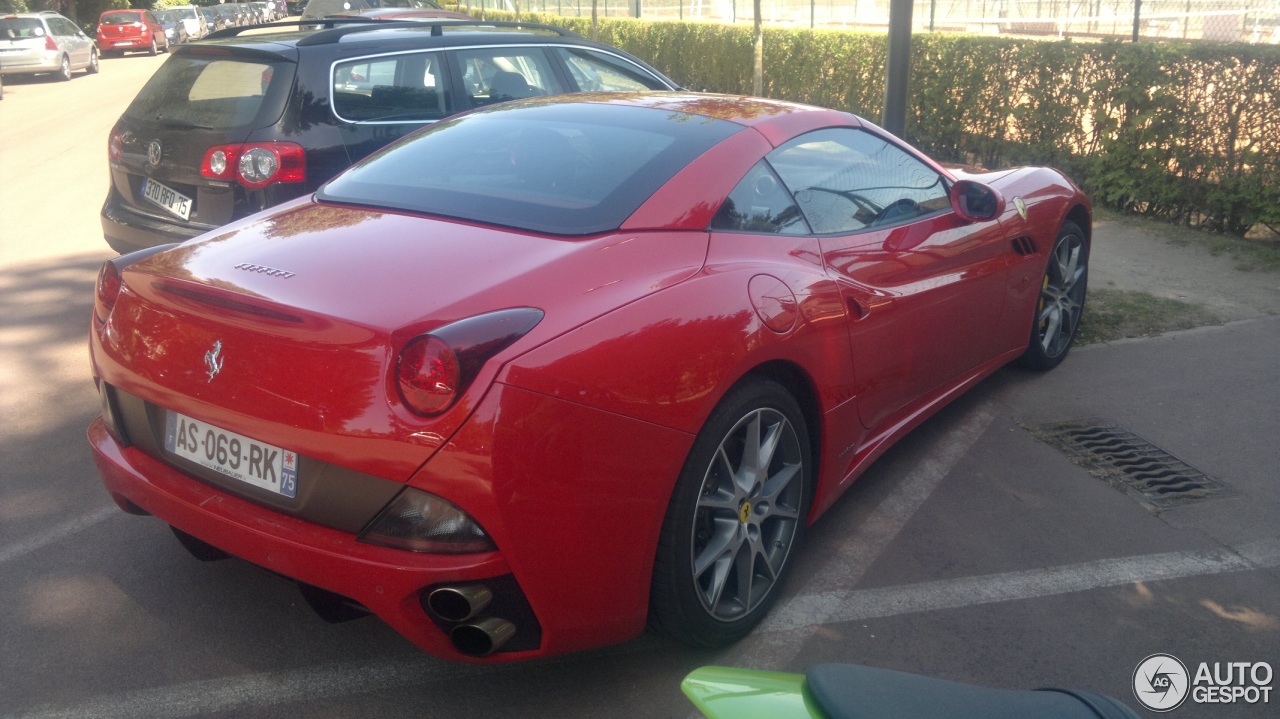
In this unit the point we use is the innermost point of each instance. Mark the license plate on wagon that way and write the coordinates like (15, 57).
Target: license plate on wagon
(167, 197)
(234, 455)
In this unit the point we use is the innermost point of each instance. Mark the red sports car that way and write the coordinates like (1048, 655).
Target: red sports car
(546, 372)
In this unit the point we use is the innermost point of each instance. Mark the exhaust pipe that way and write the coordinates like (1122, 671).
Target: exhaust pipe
(458, 604)
(482, 638)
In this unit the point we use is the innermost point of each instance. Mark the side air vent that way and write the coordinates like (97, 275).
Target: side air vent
(1024, 245)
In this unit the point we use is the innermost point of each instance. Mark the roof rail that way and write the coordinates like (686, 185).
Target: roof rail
(333, 28)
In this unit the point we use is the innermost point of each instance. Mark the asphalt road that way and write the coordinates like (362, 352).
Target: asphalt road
(972, 551)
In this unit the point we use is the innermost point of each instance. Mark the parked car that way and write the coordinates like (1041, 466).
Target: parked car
(44, 42)
(317, 102)
(193, 20)
(400, 13)
(213, 19)
(121, 31)
(316, 9)
(175, 32)
(229, 15)
(551, 371)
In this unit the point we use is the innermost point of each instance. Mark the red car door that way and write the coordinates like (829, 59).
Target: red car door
(924, 288)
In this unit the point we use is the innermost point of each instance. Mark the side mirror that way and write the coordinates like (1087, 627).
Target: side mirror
(975, 201)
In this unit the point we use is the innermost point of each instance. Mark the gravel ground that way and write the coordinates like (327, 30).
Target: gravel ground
(1138, 256)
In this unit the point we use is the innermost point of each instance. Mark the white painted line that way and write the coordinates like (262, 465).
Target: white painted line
(850, 559)
(56, 533)
(863, 604)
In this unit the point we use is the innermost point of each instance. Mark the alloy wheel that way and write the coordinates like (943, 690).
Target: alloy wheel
(747, 514)
(1062, 295)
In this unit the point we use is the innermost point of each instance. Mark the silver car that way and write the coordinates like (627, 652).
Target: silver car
(192, 19)
(44, 42)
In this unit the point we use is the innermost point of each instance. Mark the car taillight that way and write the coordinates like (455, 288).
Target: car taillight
(255, 165)
(115, 146)
(110, 283)
(435, 368)
(49, 44)
(428, 375)
(108, 290)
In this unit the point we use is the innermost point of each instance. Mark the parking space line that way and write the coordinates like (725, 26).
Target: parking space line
(850, 559)
(884, 602)
(57, 533)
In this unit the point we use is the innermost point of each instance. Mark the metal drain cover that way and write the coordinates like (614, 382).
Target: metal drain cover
(1155, 478)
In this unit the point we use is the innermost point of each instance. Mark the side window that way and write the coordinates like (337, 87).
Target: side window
(498, 74)
(845, 180)
(395, 88)
(595, 71)
(760, 204)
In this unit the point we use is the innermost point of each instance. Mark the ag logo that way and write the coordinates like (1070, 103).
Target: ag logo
(1161, 682)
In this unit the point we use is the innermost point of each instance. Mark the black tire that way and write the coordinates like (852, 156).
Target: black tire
(155, 49)
(1061, 303)
(64, 71)
(92, 69)
(719, 534)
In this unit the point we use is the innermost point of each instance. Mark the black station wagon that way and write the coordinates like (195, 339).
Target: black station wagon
(240, 122)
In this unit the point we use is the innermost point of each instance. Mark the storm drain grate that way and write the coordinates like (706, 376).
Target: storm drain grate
(1155, 478)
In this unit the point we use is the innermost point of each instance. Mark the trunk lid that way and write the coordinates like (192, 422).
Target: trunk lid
(309, 306)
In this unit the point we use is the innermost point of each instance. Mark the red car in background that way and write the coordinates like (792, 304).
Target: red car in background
(556, 369)
(121, 31)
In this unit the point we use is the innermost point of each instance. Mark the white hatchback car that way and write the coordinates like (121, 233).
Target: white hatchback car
(44, 42)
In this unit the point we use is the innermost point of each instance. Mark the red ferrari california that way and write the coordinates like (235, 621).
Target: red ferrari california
(549, 372)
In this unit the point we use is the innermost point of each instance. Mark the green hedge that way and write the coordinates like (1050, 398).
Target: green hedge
(1184, 132)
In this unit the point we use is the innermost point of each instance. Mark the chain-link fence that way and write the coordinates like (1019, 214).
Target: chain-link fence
(1252, 21)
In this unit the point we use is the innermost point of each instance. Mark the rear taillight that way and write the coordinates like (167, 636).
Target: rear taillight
(115, 146)
(428, 375)
(435, 368)
(108, 290)
(110, 282)
(49, 44)
(256, 164)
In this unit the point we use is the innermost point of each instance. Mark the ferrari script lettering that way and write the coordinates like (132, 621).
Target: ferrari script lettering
(263, 269)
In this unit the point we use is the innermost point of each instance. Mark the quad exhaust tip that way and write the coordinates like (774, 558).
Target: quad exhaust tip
(483, 637)
(459, 604)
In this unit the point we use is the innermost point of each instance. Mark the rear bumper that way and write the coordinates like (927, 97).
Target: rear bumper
(29, 63)
(126, 231)
(388, 582)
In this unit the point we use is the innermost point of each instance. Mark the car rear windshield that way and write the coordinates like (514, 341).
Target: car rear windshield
(564, 169)
(119, 18)
(17, 28)
(213, 92)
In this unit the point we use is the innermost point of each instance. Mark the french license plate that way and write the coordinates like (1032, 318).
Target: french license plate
(234, 455)
(167, 197)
